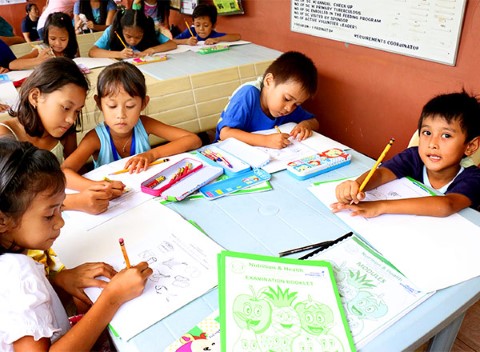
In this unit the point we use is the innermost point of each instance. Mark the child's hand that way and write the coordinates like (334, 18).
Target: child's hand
(94, 200)
(348, 191)
(211, 41)
(116, 187)
(192, 41)
(139, 163)
(127, 53)
(128, 283)
(44, 54)
(3, 69)
(301, 132)
(73, 281)
(278, 140)
(365, 209)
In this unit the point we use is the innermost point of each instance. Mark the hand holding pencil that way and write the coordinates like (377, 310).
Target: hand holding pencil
(351, 191)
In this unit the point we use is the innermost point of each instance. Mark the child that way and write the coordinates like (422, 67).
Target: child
(272, 100)
(449, 129)
(32, 318)
(60, 41)
(51, 100)
(158, 10)
(29, 23)
(204, 19)
(131, 35)
(121, 96)
(97, 13)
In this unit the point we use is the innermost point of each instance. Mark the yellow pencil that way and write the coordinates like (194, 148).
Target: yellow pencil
(121, 41)
(124, 251)
(278, 129)
(156, 162)
(191, 33)
(379, 160)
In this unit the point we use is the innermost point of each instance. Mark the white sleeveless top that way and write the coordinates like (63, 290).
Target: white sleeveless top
(57, 150)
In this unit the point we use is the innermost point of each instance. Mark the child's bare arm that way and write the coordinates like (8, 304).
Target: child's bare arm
(439, 206)
(275, 140)
(126, 53)
(232, 37)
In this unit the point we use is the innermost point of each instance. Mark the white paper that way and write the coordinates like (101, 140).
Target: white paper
(9, 94)
(373, 293)
(130, 199)
(279, 158)
(94, 62)
(18, 75)
(432, 252)
(183, 260)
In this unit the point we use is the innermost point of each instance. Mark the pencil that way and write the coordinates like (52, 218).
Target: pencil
(156, 162)
(124, 251)
(278, 129)
(304, 248)
(188, 27)
(121, 41)
(379, 160)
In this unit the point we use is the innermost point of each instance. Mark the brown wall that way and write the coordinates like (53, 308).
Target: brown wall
(365, 95)
(15, 13)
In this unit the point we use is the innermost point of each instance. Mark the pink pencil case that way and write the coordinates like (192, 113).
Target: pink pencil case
(165, 179)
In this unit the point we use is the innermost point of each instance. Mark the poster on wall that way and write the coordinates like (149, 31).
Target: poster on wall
(9, 2)
(228, 7)
(425, 29)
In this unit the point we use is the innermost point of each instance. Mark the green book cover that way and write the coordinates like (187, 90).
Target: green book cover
(279, 304)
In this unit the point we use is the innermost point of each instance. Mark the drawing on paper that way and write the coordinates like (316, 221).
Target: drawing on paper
(361, 302)
(276, 319)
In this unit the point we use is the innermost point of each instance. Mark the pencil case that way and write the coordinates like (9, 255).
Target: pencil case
(191, 183)
(319, 163)
(213, 49)
(215, 156)
(168, 177)
(235, 183)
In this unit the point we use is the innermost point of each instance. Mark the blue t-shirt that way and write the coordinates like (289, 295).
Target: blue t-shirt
(245, 113)
(95, 12)
(104, 41)
(186, 34)
(409, 163)
(6, 54)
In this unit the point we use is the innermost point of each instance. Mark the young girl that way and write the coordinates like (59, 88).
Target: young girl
(158, 10)
(98, 14)
(51, 100)
(121, 96)
(32, 318)
(59, 39)
(204, 19)
(132, 34)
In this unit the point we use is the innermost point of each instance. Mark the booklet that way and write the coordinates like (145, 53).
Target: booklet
(279, 304)
(374, 293)
(205, 336)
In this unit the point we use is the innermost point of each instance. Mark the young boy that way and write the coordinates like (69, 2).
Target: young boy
(272, 100)
(204, 19)
(449, 129)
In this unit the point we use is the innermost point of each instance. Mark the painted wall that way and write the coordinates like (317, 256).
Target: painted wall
(15, 13)
(365, 96)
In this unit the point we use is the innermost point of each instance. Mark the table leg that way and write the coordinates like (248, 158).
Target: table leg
(444, 340)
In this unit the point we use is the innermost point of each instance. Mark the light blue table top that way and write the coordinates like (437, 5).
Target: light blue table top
(290, 216)
(188, 63)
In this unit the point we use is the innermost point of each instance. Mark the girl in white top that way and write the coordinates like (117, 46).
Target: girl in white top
(51, 100)
(32, 318)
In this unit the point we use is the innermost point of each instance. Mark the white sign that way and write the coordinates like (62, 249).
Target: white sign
(426, 29)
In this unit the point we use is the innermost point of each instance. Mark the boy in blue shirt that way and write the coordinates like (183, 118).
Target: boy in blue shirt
(272, 100)
(449, 129)
(203, 29)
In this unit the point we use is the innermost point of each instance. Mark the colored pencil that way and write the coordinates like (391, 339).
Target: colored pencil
(156, 162)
